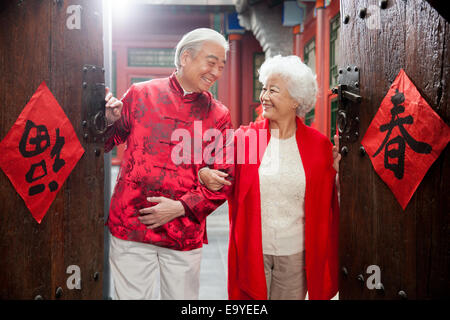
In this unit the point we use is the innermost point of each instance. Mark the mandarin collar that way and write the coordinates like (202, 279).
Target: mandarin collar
(176, 87)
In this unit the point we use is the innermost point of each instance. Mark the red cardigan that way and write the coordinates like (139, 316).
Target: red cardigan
(246, 278)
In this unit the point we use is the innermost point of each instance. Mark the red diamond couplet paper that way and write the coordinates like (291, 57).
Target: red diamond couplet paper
(40, 151)
(404, 138)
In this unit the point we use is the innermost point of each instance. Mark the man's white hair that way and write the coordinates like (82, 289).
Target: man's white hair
(193, 40)
(300, 80)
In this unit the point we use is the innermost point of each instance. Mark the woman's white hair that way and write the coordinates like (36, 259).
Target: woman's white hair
(300, 80)
(193, 40)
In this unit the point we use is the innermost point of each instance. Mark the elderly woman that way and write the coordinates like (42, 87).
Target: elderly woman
(283, 209)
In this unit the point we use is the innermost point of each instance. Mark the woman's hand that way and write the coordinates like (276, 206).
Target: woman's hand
(336, 154)
(213, 179)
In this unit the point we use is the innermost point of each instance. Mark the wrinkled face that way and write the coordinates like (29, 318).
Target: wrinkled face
(275, 98)
(200, 71)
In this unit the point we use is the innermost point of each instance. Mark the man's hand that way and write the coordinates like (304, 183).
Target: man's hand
(213, 179)
(113, 108)
(166, 210)
(336, 154)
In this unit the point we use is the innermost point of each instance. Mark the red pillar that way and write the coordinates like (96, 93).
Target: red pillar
(320, 116)
(235, 79)
(297, 41)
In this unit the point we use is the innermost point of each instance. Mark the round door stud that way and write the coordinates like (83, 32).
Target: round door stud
(58, 292)
(362, 151)
(362, 13)
(346, 19)
(360, 278)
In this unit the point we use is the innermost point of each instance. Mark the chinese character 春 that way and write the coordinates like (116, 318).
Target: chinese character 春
(399, 141)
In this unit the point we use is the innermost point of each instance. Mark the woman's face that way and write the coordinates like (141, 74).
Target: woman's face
(276, 101)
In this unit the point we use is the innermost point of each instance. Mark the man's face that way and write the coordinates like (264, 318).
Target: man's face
(200, 71)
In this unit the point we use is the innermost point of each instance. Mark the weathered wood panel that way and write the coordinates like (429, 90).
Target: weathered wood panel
(37, 46)
(427, 41)
(411, 247)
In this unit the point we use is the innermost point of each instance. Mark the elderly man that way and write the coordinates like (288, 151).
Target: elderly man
(158, 209)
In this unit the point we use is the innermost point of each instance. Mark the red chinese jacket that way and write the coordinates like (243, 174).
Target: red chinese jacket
(151, 113)
(246, 278)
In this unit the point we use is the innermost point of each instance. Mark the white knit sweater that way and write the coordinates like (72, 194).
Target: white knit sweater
(282, 188)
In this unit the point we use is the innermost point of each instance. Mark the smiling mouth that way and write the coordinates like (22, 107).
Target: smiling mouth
(207, 80)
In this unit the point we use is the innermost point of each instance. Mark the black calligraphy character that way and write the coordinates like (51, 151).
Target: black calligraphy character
(393, 153)
(41, 137)
(30, 177)
(399, 153)
(56, 151)
(40, 141)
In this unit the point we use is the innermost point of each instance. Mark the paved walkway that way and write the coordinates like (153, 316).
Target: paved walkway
(213, 272)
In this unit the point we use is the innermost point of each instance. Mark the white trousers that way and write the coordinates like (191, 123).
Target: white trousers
(136, 268)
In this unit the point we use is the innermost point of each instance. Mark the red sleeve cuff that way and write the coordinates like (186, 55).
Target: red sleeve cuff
(187, 211)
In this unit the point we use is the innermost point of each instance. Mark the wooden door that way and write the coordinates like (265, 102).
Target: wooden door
(411, 247)
(53, 41)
